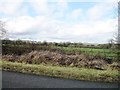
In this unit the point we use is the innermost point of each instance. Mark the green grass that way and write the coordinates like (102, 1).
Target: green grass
(92, 51)
(108, 75)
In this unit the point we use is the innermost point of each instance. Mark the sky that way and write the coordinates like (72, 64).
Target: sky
(92, 21)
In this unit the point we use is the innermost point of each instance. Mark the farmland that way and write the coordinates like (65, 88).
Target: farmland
(61, 55)
(108, 53)
(24, 48)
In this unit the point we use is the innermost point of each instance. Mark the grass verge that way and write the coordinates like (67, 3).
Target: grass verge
(108, 75)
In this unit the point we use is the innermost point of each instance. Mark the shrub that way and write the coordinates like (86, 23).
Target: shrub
(55, 58)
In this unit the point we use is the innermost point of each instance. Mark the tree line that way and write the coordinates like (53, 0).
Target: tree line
(19, 46)
(61, 44)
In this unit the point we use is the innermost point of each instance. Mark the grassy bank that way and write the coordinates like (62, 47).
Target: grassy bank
(108, 75)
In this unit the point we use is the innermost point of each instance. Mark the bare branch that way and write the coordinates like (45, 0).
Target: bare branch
(2, 29)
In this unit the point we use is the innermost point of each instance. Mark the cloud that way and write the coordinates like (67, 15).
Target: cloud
(49, 8)
(92, 1)
(10, 7)
(40, 6)
(19, 24)
(99, 10)
(27, 25)
(49, 23)
(76, 13)
(62, 3)
(44, 28)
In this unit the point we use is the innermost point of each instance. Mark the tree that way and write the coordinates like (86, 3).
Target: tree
(111, 43)
(2, 29)
(2, 33)
(117, 34)
(115, 40)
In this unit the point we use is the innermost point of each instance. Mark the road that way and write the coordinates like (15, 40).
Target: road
(19, 80)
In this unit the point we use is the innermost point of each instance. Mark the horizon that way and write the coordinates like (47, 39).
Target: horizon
(60, 21)
(87, 43)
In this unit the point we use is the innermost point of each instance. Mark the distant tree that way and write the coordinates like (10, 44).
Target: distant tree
(111, 42)
(45, 43)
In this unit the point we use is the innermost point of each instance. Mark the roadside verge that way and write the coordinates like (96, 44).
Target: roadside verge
(108, 75)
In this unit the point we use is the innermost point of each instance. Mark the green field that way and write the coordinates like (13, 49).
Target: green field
(86, 63)
(108, 53)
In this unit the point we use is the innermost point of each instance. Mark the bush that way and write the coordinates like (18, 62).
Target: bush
(55, 58)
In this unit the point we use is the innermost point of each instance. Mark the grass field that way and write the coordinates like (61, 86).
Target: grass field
(108, 53)
(108, 75)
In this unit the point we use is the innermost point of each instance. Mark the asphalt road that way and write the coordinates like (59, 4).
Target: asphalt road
(19, 80)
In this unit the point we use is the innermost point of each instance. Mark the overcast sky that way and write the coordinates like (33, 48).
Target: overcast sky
(60, 20)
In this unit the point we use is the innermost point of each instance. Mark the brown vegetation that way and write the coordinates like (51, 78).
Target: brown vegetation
(55, 58)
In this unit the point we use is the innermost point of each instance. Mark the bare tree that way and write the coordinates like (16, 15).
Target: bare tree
(115, 40)
(117, 37)
(111, 42)
(2, 29)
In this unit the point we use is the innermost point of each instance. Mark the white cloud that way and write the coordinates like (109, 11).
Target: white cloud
(19, 24)
(76, 13)
(91, 27)
(62, 3)
(47, 27)
(41, 25)
(15, 8)
(10, 7)
(40, 6)
(99, 10)
(91, 0)
(44, 28)
(43, 7)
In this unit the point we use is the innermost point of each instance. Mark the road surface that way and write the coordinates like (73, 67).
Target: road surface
(19, 80)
